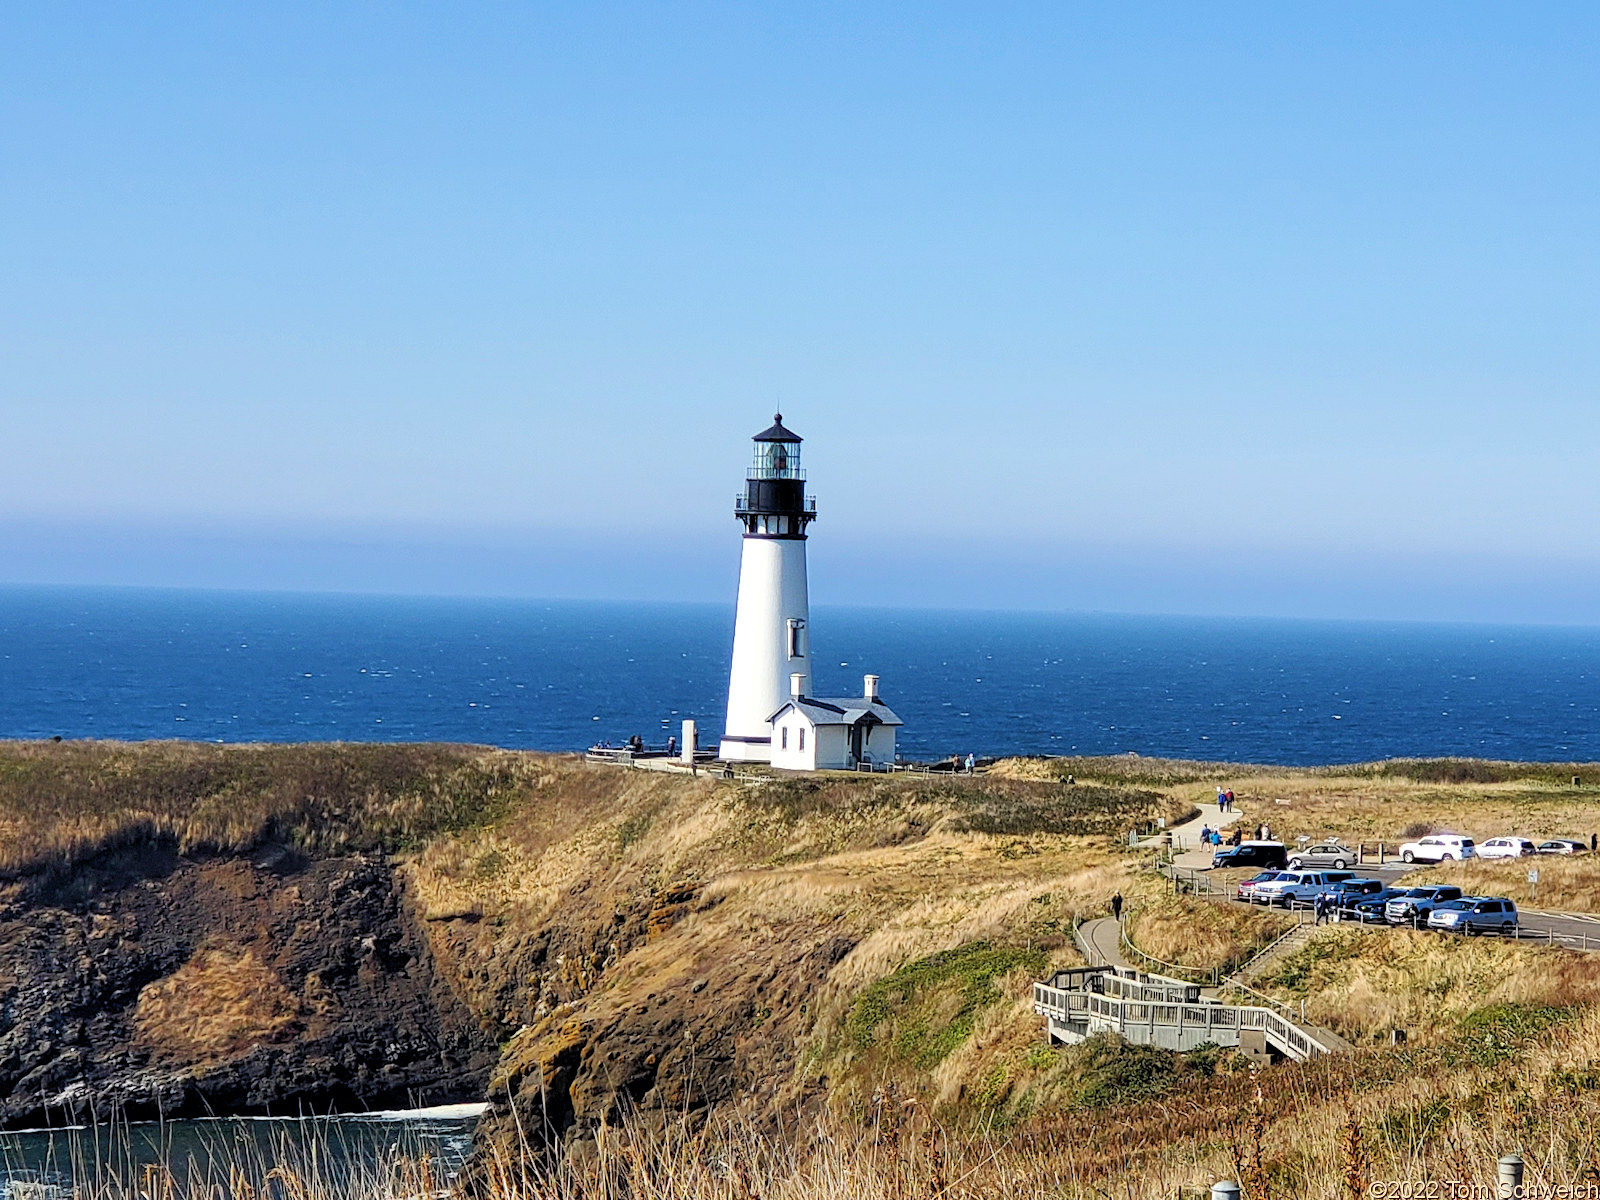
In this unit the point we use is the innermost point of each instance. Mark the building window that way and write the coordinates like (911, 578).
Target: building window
(802, 737)
(785, 737)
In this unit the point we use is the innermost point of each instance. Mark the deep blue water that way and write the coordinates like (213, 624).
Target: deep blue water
(241, 667)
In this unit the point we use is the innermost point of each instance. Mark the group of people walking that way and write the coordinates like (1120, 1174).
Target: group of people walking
(1224, 799)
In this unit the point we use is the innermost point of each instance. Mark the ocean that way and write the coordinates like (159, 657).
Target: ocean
(238, 667)
(178, 1158)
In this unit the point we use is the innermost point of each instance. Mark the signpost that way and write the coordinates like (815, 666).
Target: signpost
(1533, 880)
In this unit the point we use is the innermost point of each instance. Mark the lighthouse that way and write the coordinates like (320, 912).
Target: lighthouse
(771, 631)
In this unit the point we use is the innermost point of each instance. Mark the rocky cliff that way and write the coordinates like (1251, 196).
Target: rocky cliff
(152, 982)
(191, 929)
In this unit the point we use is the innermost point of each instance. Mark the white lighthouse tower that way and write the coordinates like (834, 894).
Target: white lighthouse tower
(771, 634)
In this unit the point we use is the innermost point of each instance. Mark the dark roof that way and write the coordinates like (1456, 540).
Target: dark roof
(843, 710)
(777, 433)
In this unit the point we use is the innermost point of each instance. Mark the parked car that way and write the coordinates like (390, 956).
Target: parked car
(1438, 847)
(1246, 886)
(1564, 846)
(1324, 854)
(1412, 905)
(1507, 847)
(1475, 914)
(1369, 910)
(1253, 854)
(1344, 891)
(1296, 887)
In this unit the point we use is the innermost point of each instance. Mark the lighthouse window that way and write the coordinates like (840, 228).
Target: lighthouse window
(778, 460)
(797, 647)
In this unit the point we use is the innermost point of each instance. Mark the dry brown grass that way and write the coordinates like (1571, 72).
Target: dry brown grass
(220, 1003)
(1363, 805)
(1566, 884)
(1202, 934)
(62, 802)
(895, 870)
(1362, 982)
(1286, 1130)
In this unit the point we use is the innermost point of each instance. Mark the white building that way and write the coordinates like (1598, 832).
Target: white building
(767, 720)
(812, 733)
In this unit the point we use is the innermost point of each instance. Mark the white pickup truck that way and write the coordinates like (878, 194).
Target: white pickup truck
(1292, 887)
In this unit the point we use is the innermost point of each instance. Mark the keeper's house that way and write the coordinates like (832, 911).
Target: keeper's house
(811, 733)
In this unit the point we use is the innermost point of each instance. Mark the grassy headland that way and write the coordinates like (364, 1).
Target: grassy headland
(820, 986)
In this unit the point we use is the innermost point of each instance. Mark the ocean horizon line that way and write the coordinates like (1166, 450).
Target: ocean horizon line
(825, 606)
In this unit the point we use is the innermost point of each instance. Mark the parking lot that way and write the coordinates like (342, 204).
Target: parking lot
(1577, 931)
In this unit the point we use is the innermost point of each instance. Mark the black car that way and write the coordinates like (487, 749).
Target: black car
(1368, 910)
(1253, 854)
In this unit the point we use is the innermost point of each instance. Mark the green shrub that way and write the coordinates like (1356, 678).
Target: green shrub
(909, 1000)
(1496, 1032)
(1114, 1072)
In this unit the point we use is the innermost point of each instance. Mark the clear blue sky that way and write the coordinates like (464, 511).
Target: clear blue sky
(1286, 309)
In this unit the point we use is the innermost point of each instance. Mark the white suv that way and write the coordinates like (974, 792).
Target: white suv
(1438, 847)
(1507, 847)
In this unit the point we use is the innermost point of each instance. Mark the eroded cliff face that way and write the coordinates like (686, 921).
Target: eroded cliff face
(188, 929)
(145, 981)
(663, 948)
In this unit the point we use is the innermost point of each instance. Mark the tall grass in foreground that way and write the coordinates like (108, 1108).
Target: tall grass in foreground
(310, 1159)
(1286, 1141)
(1292, 1137)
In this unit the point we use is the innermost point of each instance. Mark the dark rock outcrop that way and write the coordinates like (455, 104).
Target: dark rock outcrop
(146, 982)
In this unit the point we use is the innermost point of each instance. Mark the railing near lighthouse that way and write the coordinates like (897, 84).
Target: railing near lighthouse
(741, 505)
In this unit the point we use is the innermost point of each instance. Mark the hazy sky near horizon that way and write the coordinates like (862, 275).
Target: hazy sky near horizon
(1267, 309)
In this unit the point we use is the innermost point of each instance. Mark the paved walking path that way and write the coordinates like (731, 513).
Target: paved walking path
(1187, 851)
(1104, 938)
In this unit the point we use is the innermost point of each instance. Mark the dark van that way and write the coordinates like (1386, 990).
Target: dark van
(1272, 855)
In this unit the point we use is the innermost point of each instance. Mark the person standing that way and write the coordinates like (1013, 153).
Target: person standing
(971, 762)
(1116, 907)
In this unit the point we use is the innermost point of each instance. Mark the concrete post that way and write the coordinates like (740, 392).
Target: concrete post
(1510, 1172)
(1225, 1189)
(687, 752)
